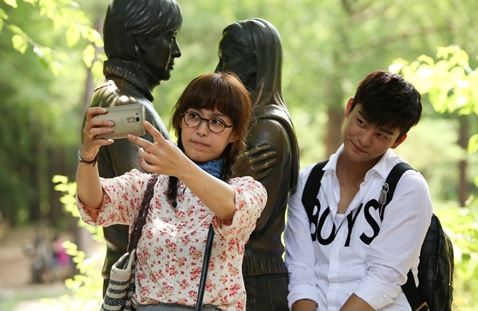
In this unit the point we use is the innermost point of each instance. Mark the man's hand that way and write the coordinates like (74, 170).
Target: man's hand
(304, 305)
(355, 303)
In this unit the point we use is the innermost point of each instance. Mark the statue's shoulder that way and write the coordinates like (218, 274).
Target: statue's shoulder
(108, 92)
(105, 94)
(273, 112)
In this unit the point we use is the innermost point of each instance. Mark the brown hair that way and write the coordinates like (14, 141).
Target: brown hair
(221, 91)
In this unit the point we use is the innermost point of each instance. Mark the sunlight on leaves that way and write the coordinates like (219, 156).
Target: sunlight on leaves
(12, 3)
(19, 43)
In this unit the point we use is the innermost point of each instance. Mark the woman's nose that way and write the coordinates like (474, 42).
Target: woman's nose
(203, 128)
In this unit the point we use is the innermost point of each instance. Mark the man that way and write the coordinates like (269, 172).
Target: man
(342, 255)
(140, 43)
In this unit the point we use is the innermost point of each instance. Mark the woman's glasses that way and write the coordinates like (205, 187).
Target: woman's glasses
(194, 119)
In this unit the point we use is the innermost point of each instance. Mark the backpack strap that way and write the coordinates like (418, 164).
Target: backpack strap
(312, 185)
(409, 288)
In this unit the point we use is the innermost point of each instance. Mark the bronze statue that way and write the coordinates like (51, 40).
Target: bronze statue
(252, 50)
(140, 43)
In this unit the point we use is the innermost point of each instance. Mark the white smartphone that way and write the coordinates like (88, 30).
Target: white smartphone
(128, 119)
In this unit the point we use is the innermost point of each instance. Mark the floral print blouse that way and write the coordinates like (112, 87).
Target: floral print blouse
(170, 250)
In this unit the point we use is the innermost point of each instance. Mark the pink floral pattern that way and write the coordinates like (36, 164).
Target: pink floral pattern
(170, 251)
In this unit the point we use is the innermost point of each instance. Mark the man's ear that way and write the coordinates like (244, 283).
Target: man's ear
(348, 107)
(399, 140)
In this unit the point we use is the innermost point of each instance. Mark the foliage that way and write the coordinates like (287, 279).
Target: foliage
(85, 287)
(68, 200)
(66, 16)
(451, 85)
(44, 61)
(461, 225)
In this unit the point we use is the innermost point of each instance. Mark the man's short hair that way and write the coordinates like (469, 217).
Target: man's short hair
(387, 100)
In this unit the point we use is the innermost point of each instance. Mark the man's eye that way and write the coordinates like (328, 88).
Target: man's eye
(382, 136)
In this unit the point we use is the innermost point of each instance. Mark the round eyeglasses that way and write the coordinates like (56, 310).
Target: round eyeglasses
(215, 125)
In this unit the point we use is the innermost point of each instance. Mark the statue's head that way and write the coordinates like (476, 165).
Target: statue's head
(252, 50)
(144, 32)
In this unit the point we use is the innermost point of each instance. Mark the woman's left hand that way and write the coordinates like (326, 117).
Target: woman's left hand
(161, 156)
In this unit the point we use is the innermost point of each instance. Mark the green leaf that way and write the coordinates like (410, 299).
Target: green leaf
(19, 43)
(16, 30)
(55, 68)
(1, 24)
(72, 36)
(473, 144)
(89, 55)
(3, 14)
(12, 3)
(59, 179)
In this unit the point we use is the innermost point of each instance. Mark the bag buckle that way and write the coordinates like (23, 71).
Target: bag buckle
(423, 307)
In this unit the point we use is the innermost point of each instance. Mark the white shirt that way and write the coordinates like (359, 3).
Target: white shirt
(343, 263)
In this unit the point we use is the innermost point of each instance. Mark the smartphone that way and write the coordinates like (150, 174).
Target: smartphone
(128, 119)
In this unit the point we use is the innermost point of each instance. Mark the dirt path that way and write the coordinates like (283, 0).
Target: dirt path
(17, 292)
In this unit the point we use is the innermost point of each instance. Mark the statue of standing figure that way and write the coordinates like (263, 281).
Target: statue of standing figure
(252, 50)
(140, 44)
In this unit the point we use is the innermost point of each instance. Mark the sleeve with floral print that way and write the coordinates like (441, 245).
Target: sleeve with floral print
(122, 197)
(250, 199)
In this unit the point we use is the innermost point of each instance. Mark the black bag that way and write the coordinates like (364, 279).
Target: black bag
(435, 270)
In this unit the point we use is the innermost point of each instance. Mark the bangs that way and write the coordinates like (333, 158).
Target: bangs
(214, 93)
(396, 116)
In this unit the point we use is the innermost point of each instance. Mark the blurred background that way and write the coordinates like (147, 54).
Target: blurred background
(51, 58)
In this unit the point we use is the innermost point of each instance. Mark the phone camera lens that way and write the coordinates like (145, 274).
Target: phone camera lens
(137, 119)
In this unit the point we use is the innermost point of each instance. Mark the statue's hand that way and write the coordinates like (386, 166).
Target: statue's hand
(257, 162)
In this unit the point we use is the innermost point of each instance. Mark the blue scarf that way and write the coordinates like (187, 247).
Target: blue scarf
(213, 167)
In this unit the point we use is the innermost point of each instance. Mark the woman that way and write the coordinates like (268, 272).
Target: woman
(252, 50)
(194, 188)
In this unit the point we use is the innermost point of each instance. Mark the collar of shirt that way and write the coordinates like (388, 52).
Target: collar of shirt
(382, 168)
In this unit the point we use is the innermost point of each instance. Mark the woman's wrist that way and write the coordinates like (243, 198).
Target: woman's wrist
(87, 160)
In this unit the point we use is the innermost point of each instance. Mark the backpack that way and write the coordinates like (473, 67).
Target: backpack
(435, 270)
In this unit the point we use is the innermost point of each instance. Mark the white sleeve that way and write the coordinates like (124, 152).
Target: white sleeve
(396, 249)
(300, 254)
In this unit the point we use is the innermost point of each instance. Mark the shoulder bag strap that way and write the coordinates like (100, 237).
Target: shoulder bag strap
(409, 288)
(312, 185)
(143, 212)
(205, 266)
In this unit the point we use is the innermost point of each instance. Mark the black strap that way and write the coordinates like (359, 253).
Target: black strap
(410, 289)
(312, 185)
(205, 266)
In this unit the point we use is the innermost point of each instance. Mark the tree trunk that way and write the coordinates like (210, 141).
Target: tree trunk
(463, 137)
(333, 139)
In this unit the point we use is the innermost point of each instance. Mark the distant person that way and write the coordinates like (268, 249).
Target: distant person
(194, 189)
(252, 50)
(345, 252)
(140, 43)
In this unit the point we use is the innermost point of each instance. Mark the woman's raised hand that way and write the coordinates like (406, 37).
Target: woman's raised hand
(93, 129)
(161, 156)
